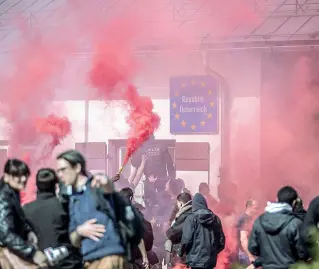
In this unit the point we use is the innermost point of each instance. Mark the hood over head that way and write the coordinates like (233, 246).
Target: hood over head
(277, 216)
(199, 202)
(200, 209)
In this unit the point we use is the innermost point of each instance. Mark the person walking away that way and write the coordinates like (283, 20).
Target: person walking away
(50, 221)
(203, 237)
(310, 226)
(275, 237)
(18, 242)
(244, 226)
(175, 232)
(140, 252)
(299, 211)
(102, 223)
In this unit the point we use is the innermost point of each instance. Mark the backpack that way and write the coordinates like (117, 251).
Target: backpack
(148, 235)
(126, 218)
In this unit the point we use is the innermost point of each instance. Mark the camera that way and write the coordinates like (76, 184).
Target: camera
(55, 255)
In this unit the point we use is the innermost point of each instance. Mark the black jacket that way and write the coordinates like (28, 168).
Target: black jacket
(148, 238)
(203, 237)
(175, 232)
(50, 222)
(159, 162)
(14, 228)
(275, 237)
(311, 221)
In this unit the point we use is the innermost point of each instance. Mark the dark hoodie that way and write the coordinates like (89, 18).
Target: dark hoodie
(203, 236)
(275, 237)
(311, 221)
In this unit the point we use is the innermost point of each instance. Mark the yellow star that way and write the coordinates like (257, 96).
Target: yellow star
(193, 127)
(183, 123)
(203, 123)
(174, 105)
(209, 115)
(203, 84)
(212, 104)
(177, 116)
(210, 92)
(183, 85)
(176, 93)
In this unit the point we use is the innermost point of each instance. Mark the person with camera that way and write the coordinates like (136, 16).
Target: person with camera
(51, 222)
(18, 243)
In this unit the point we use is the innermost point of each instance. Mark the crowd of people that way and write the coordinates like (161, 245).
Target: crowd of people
(80, 220)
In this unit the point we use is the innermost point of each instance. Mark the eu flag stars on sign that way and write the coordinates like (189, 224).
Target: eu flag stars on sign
(194, 106)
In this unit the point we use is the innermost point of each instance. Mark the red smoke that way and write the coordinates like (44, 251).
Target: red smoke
(112, 64)
(142, 120)
(57, 128)
(113, 67)
(26, 90)
(293, 104)
(34, 67)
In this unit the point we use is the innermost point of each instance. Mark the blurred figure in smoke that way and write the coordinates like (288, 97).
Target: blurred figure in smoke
(159, 167)
(203, 237)
(173, 189)
(163, 214)
(227, 193)
(175, 232)
(244, 225)
(204, 190)
(18, 242)
(275, 237)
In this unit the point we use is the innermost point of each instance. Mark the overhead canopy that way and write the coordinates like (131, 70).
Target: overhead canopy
(249, 22)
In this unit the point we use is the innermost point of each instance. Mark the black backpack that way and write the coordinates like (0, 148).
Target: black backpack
(126, 218)
(148, 235)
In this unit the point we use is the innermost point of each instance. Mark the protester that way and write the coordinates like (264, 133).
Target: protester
(50, 221)
(143, 255)
(173, 188)
(275, 237)
(18, 243)
(298, 210)
(244, 226)
(175, 232)
(163, 215)
(310, 226)
(159, 167)
(203, 237)
(204, 190)
(102, 223)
